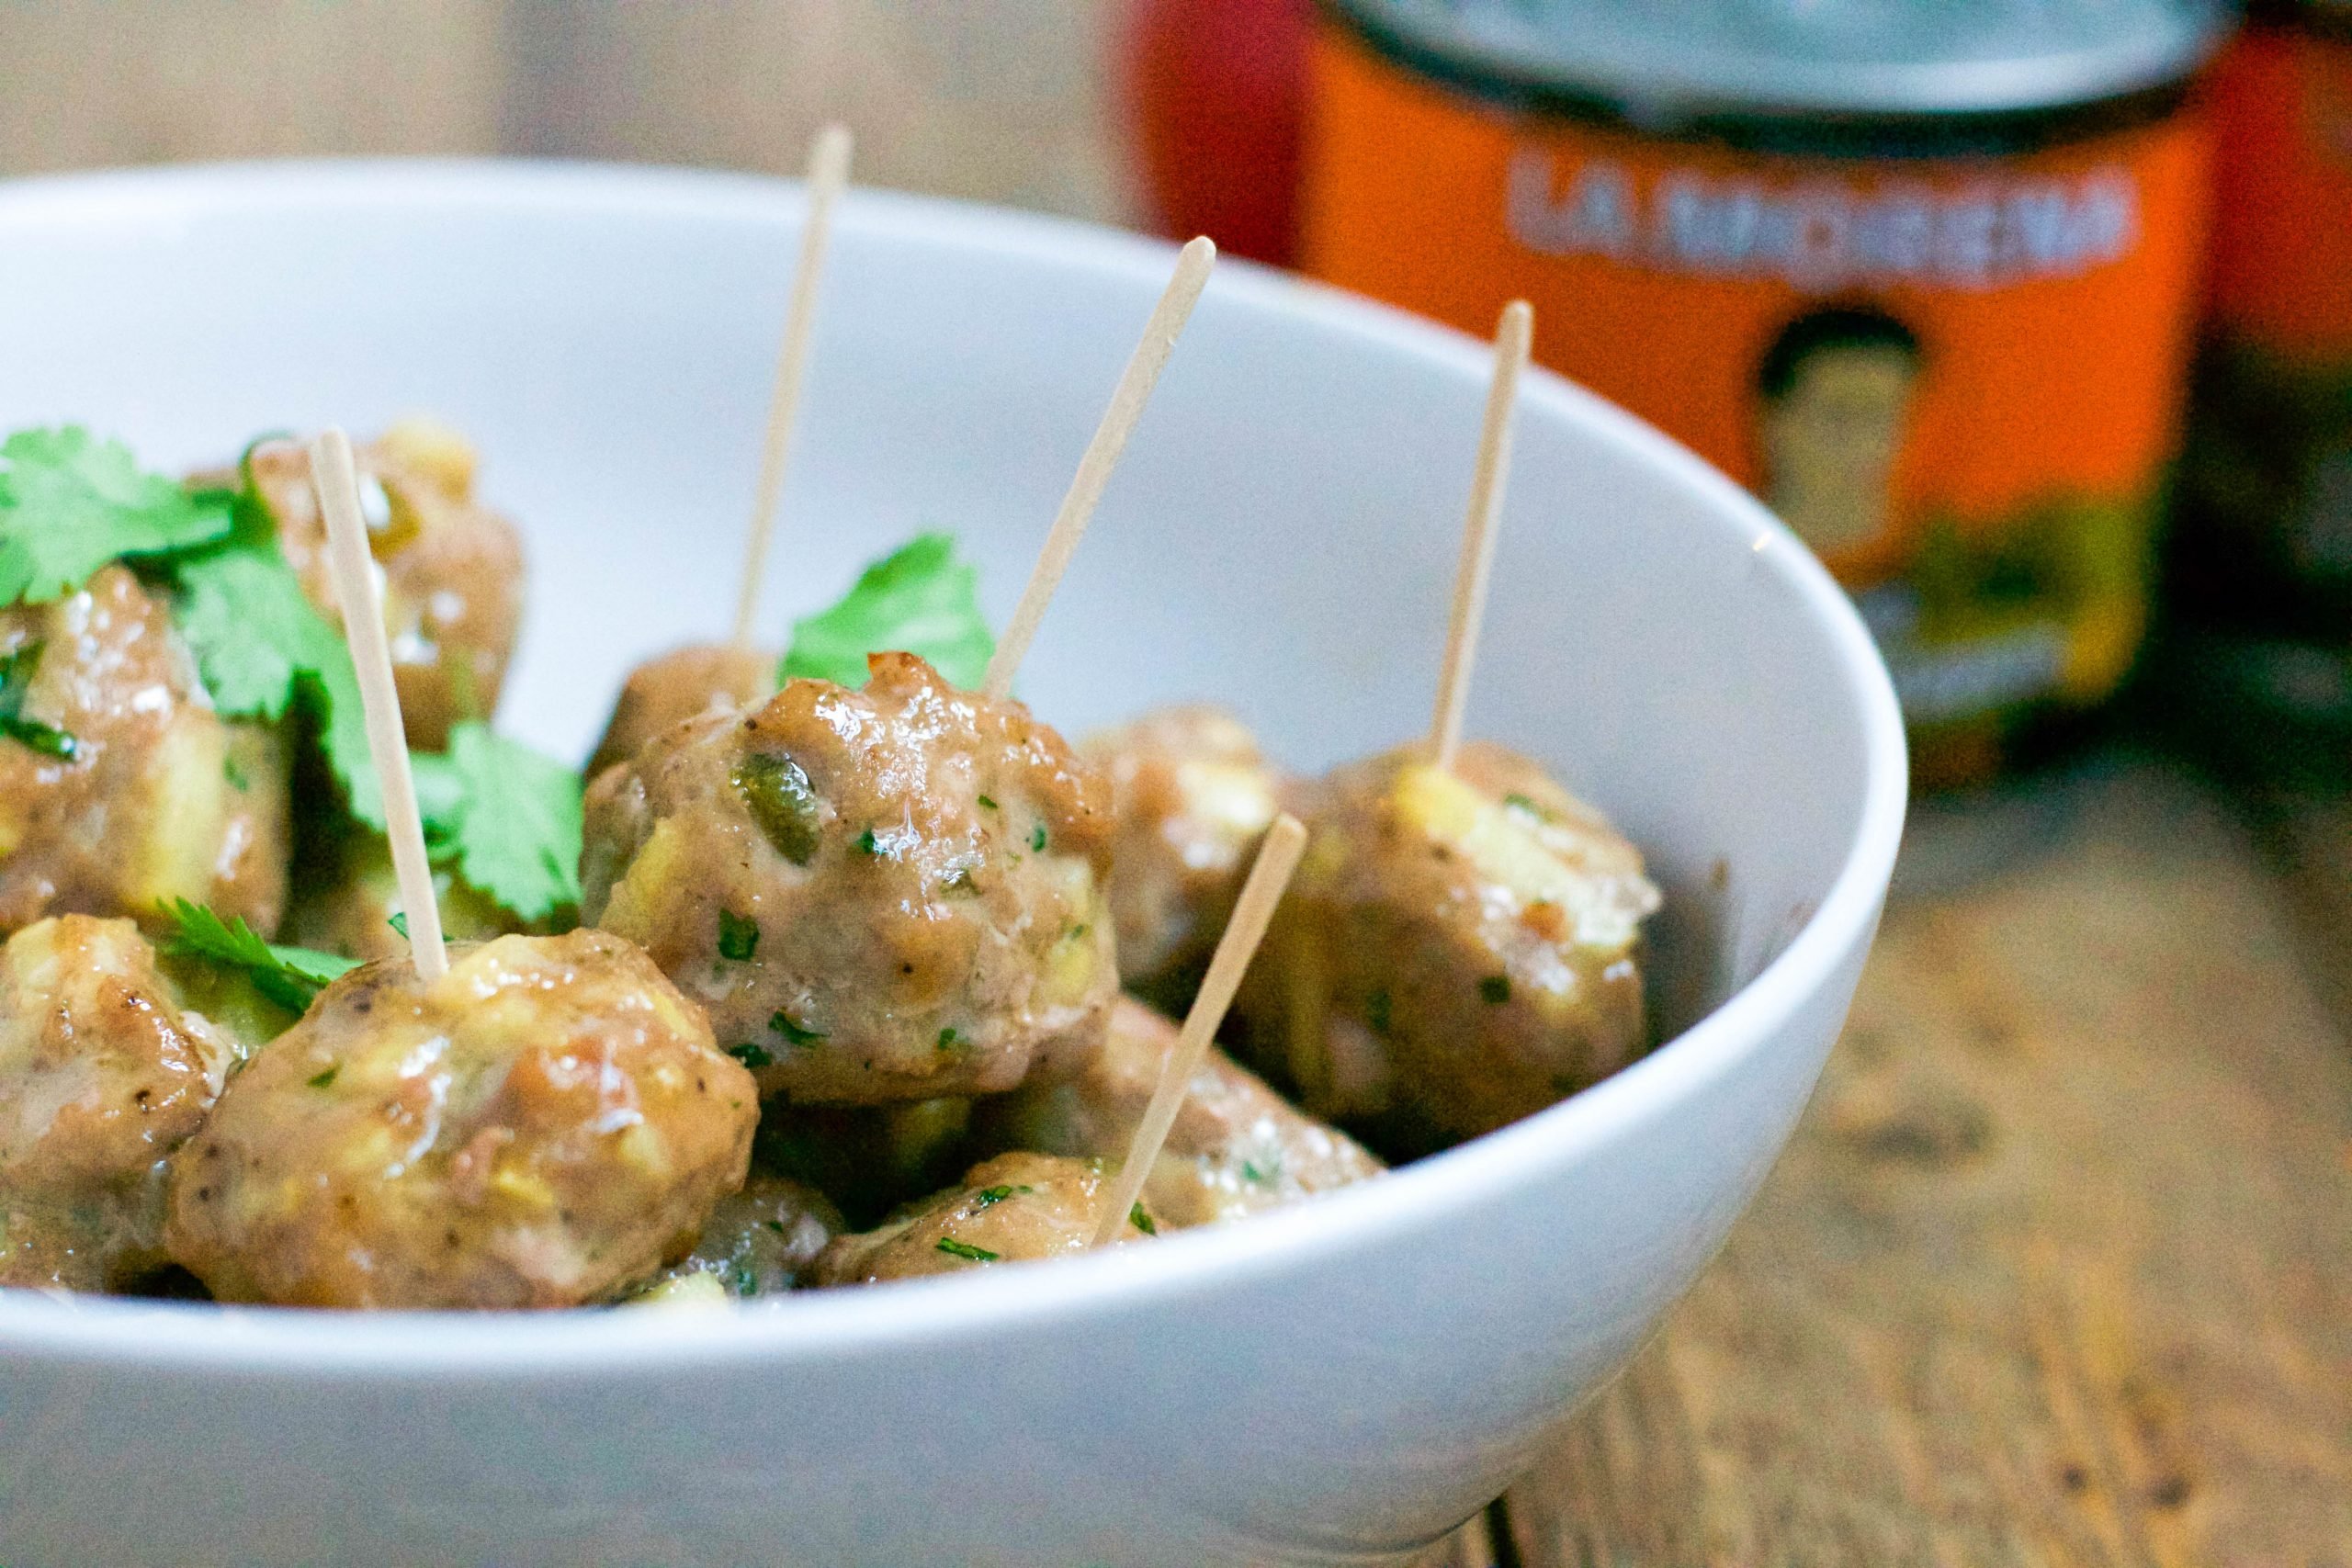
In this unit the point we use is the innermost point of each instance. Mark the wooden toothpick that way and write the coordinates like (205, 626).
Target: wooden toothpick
(1512, 336)
(828, 173)
(1101, 455)
(363, 629)
(1277, 858)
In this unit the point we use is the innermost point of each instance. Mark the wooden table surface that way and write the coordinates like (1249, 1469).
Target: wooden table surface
(2058, 1269)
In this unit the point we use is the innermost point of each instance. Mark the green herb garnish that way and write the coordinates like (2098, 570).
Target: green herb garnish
(1037, 838)
(988, 1197)
(69, 503)
(399, 922)
(782, 1024)
(321, 1080)
(752, 1055)
(16, 681)
(1141, 1220)
(1495, 990)
(950, 1040)
(988, 803)
(507, 818)
(290, 977)
(262, 648)
(867, 844)
(953, 1248)
(739, 937)
(918, 599)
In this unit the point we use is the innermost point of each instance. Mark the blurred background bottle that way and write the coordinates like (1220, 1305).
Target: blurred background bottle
(1922, 276)
(2261, 587)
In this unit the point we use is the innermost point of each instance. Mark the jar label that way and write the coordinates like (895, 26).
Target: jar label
(1957, 380)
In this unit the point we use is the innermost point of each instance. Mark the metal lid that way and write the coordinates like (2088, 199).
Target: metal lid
(1834, 57)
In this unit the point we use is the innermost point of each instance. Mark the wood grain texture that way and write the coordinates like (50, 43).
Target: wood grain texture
(2059, 1269)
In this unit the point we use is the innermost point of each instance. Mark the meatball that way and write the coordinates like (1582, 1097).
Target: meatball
(103, 1074)
(678, 685)
(1237, 1147)
(157, 796)
(453, 568)
(546, 1124)
(1190, 797)
(1015, 1208)
(880, 894)
(756, 1242)
(347, 893)
(1458, 949)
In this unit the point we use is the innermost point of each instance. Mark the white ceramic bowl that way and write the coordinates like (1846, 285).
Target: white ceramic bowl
(1337, 1384)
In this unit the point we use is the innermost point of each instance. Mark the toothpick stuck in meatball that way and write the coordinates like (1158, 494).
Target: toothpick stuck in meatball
(1016, 1208)
(1460, 949)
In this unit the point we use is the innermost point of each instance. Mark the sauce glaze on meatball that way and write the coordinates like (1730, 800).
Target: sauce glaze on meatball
(1191, 799)
(1458, 949)
(1235, 1148)
(1015, 1208)
(880, 894)
(665, 692)
(162, 797)
(103, 1074)
(547, 1123)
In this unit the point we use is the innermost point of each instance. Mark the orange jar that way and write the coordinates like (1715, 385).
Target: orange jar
(1921, 276)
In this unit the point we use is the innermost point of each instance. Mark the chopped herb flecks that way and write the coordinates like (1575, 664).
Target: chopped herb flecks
(399, 922)
(1037, 838)
(1495, 990)
(782, 1024)
(739, 937)
(1523, 803)
(16, 677)
(989, 803)
(1141, 1220)
(988, 1197)
(752, 1055)
(867, 844)
(951, 1041)
(953, 1248)
(321, 1080)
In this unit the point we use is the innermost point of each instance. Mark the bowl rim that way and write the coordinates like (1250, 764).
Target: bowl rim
(203, 1337)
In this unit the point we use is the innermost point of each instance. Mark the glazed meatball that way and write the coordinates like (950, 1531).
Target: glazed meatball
(1237, 1147)
(453, 568)
(757, 1242)
(880, 894)
(157, 796)
(347, 893)
(666, 691)
(1457, 949)
(544, 1125)
(1015, 1208)
(1190, 797)
(104, 1073)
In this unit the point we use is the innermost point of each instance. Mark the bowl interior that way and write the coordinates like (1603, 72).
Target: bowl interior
(1280, 537)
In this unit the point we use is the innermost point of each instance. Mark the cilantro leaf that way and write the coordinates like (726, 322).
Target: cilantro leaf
(507, 817)
(290, 977)
(919, 600)
(261, 646)
(69, 503)
(16, 675)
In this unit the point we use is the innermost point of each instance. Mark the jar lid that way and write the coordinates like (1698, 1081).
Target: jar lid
(1672, 58)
